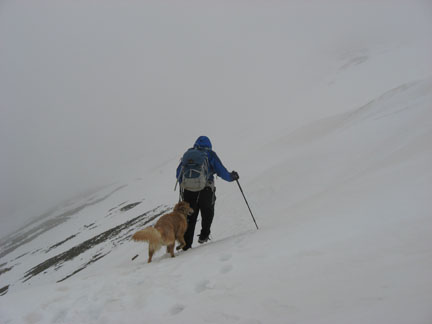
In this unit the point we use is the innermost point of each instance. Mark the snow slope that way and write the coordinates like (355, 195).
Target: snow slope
(345, 237)
(343, 204)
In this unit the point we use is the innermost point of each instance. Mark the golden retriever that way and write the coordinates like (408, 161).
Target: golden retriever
(169, 228)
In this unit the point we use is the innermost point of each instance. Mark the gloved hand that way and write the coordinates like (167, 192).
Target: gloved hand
(234, 176)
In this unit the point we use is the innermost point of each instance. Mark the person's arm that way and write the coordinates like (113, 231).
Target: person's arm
(219, 168)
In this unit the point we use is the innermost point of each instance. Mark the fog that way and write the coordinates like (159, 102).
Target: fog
(89, 87)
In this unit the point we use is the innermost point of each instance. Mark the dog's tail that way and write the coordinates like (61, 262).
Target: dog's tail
(150, 235)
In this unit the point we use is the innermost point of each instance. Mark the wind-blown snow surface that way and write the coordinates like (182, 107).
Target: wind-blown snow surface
(343, 204)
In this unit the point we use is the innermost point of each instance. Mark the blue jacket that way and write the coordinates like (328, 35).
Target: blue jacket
(216, 166)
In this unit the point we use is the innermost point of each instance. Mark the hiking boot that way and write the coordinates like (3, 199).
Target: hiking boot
(202, 239)
(186, 247)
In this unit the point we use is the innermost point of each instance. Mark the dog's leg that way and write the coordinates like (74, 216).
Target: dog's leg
(180, 239)
(170, 249)
(151, 252)
(182, 244)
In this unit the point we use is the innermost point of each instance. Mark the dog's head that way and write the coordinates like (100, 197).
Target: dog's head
(183, 207)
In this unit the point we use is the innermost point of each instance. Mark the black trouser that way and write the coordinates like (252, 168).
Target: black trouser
(203, 201)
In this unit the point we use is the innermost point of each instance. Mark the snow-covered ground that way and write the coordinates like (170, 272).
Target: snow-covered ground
(343, 201)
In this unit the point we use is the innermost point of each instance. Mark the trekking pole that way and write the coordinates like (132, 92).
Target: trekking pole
(247, 203)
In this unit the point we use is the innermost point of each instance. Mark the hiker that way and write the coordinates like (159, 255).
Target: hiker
(197, 186)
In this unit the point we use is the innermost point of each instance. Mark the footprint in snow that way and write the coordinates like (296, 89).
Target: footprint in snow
(177, 309)
(239, 241)
(225, 257)
(203, 285)
(226, 268)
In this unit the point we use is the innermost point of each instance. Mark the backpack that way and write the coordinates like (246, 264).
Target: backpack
(195, 169)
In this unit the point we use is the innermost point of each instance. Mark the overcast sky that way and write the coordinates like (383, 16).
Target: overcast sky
(88, 86)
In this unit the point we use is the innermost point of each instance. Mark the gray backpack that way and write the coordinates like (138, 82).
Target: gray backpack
(194, 173)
